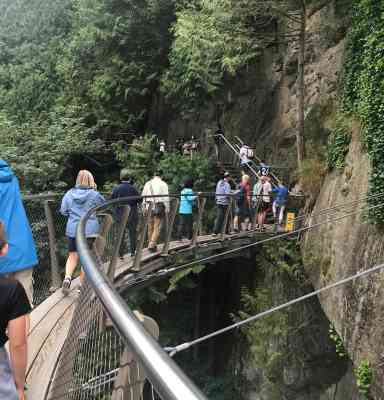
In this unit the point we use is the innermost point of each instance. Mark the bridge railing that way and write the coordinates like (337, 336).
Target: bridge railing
(48, 228)
(111, 351)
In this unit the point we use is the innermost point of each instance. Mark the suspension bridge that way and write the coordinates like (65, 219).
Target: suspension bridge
(90, 344)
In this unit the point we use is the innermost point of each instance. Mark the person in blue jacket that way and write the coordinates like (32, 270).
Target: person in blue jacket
(279, 203)
(21, 257)
(187, 200)
(76, 202)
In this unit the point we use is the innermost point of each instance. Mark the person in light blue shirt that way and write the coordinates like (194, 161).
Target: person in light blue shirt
(76, 202)
(187, 200)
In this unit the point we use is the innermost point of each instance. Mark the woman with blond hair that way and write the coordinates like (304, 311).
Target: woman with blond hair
(76, 202)
(243, 204)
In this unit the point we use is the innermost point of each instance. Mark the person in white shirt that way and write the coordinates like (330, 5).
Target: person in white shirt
(160, 207)
(244, 158)
(265, 203)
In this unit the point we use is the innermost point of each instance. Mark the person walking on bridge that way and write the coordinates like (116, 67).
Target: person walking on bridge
(265, 203)
(279, 202)
(223, 190)
(187, 199)
(243, 205)
(21, 257)
(127, 189)
(14, 310)
(76, 202)
(156, 193)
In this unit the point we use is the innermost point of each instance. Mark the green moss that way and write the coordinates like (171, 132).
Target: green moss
(338, 143)
(363, 85)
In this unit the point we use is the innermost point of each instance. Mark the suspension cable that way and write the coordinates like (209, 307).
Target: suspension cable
(341, 205)
(187, 345)
(165, 272)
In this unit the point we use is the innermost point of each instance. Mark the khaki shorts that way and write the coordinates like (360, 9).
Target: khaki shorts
(26, 279)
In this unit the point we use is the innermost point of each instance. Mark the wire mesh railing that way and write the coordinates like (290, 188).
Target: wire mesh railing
(108, 354)
(48, 228)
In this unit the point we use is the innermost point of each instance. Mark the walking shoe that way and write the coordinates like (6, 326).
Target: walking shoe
(152, 249)
(66, 286)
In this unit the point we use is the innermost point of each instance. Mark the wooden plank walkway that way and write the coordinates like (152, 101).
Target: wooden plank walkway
(51, 320)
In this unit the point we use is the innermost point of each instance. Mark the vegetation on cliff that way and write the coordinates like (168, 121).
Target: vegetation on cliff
(363, 88)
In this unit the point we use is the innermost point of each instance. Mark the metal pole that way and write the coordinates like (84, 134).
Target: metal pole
(169, 380)
(170, 223)
(200, 207)
(55, 274)
(120, 236)
(143, 229)
(224, 228)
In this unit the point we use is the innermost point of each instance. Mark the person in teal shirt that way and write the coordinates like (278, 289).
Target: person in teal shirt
(187, 200)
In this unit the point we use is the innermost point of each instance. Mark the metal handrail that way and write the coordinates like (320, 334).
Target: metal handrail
(259, 160)
(237, 153)
(167, 378)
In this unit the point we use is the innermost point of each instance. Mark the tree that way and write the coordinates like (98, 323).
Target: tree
(209, 44)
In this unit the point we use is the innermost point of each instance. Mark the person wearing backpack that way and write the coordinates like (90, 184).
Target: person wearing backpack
(279, 202)
(244, 157)
(243, 204)
(14, 322)
(187, 200)
(156, 192)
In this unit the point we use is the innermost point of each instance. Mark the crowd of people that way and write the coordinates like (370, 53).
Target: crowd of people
(18, 254)
(251, 204)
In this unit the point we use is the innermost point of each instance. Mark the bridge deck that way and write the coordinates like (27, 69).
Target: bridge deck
(51, 320)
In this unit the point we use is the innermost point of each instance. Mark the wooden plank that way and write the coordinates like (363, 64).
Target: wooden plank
(44, 365)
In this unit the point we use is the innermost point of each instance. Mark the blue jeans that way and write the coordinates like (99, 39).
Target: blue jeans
(7, 384)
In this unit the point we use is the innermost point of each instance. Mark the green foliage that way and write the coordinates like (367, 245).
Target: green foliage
(141, 157)
(364, 378)
(335, 337)
(209, 43)
(39, 151)
(285, 259)
(181, 277)
(338, 143)
(271, 328)
(177, 167)
(363, 85)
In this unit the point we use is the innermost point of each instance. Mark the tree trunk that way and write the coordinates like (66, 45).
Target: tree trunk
(300, 142)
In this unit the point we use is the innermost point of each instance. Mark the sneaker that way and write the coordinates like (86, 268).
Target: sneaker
(66, 286)
(78, 290)
(152, 249)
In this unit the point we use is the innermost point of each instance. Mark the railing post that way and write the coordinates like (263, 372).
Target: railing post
(120, 236)
(143, 230)
(200, 210)
(170, 220)
(55, 274)
(225, 223)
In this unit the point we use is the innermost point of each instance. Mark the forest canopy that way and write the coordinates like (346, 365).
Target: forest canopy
(83, 71)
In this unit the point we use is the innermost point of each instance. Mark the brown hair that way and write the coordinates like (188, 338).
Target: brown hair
(3, 238)
(85, 179)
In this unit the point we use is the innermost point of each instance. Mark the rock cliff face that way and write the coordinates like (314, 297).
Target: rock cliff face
(260, 106)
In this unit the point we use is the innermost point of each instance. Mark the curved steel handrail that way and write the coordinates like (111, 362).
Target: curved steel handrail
(167, 378)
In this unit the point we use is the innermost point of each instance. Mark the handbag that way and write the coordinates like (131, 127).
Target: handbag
(159, 207)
